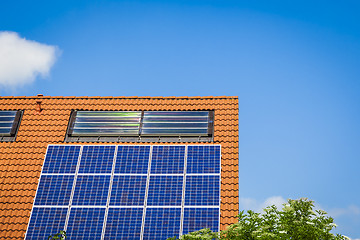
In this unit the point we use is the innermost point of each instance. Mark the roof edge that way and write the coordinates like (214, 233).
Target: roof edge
(118, 97)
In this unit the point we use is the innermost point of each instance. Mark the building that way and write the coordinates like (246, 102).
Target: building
(44, 121)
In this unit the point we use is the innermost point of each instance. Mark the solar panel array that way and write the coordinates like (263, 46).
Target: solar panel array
(127, 191)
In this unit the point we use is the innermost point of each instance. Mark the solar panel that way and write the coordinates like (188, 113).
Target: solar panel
(202, 190)
(124, 223)
(165, 191)
(45, 221)
(54, 190)
(168, 159)
(85, 223)
(203, 159)
(175, 123)
(128, 191)
(162, 223)
(199, 218)
(132, 159)
(61, 159)
(100, 123)
(91, 190)
(97, 159)
(141, 192)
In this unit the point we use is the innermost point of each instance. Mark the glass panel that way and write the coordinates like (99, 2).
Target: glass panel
(7, 114)
(175, 123)
(172, 132)
(7, 121)
(104, 123)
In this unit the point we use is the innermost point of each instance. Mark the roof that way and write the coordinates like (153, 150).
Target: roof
(21, 160)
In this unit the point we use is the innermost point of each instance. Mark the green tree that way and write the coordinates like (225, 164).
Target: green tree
(296, 221)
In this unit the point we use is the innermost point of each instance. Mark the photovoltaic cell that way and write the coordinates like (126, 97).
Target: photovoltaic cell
(91, 190)
(128, 191)
(203, 159)
(132, 159)
(165, 191)
(162, 223)
(61, 159)
(97, 159)
(45, 222)
(168, 159)
(199, 218)
(54, 190)
(85, 223)
(202, 190)
(124, 223)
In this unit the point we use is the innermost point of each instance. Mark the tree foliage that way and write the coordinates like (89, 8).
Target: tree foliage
(296, 221)
(60, 236)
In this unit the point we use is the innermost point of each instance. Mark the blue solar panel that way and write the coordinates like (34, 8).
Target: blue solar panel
(54, 190)
(45, 222)
(202, 190)
(124, 223)
(91, 190)
(168, 159)
(97, 159)
(85, 223)
(128, 190)
(162, 223)
(165, 191)
(61, 159)
(203, 159)
(132, 159)
(199, 218)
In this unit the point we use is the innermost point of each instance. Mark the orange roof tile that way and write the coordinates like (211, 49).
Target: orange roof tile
(21, 160)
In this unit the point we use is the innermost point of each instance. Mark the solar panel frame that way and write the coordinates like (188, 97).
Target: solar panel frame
(128, 190)
(94, 155)
(161, 221)
(126, 228)
(147, 205)
(165, 190)
(55, 163)
(168, 159)
(85, 194)
(142, 157)
(197, 163)
(55, 219)
(82, 223)
(203, 218)
(60, 195)
(202, 190)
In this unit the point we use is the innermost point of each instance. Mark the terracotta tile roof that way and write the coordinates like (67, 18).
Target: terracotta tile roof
(21, 161)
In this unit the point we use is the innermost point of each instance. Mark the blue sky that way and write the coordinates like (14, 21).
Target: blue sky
(293, 64)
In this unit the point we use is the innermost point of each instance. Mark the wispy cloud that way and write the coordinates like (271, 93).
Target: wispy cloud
(258, 206)
(350, 210)
(22, 60)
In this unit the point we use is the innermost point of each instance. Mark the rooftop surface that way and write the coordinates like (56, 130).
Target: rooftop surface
(21, 160)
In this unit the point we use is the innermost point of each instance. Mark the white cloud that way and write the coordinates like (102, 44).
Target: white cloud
(21, 60)
(350, 210)
(253, 204)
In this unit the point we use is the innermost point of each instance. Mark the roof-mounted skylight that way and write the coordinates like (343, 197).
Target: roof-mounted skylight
(140, 124)
(9, 122)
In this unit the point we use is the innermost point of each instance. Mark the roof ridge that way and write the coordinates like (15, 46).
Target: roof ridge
(119, 97)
